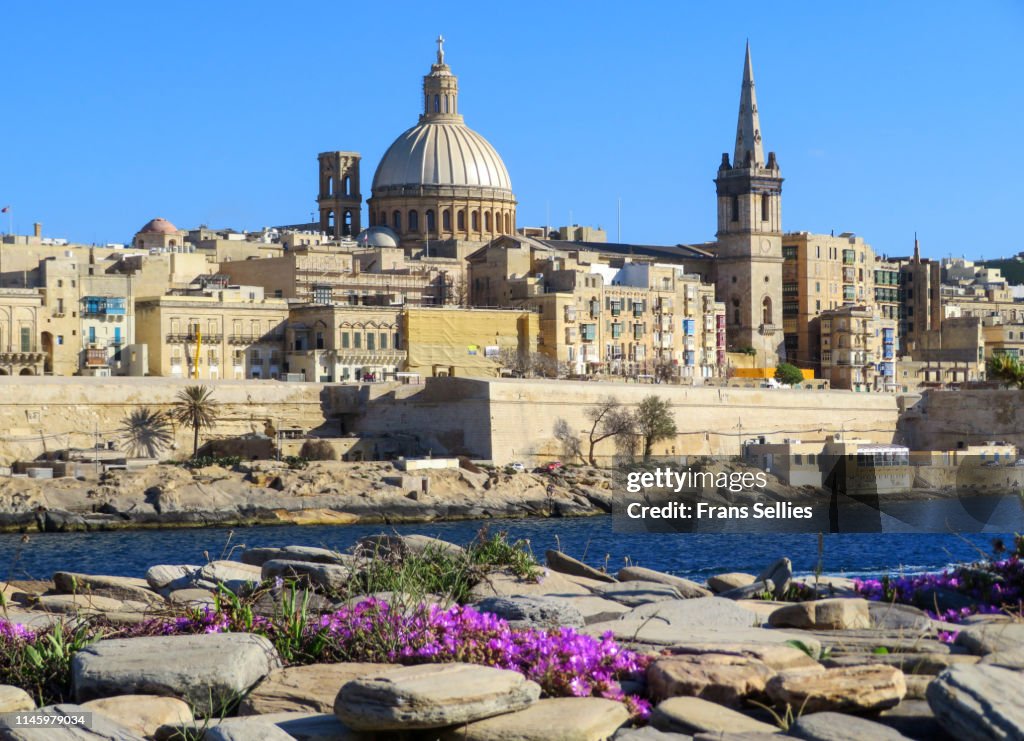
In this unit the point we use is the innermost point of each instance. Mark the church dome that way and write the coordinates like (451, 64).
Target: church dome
(158, 226)
(441, 153)
(378, 236)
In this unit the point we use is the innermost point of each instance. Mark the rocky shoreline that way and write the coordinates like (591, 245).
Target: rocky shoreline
(566, 652)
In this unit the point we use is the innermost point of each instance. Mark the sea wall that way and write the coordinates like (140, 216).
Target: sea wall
(947, 420)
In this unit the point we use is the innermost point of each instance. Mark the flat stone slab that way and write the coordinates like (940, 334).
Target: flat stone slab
(562, 563)
(847, 689)
(299, 726)
(432, 696)
(209, 671)
(694, 715)
(913, 718)
(13, 699)
(247, 730)
(305, 689)
(533, 612)
(324, 576)
(102, 729)
(686, 588)
(635, 593)
(649, 733)
(556, 719)
(702, 612)
(887, 616)
(142, 714)
(777, 656)
(722, 678)
(596, 609)
(234, 575)
(837, 613)
(259, 556)
(649, 632)
(174, 576)
(118, 587)
(979, 702)
(991, 637)
(841, 727)
(506, 584)
(731, 580)
(922, 663)
(87, 603)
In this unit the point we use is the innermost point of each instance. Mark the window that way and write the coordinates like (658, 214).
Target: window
(735, 208)
(446, 220)
(383, 340)
(396, 221)
(26, 339)
(431, 222)
(414, 221)
(476, 221)
(357, 340)
(765, 207)
(319, 340)
(371, 343)
(461, 220)
(344, 340)
(60, 339)
(487, 221)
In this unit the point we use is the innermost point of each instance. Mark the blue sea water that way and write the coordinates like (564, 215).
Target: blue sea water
(695, 555)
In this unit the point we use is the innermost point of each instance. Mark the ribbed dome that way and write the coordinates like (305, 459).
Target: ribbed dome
(158, 226)
(441, 153)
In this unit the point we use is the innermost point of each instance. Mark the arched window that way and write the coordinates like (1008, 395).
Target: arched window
(766, 310)
(475, 221)
(461, 220)
(735, 310)
(348, 186)
(446, 98)
(431, 222)
(330, 185)
(414, 221)
(396, 221)
(347, 224)
(383, 221)
(487, 221)
(735, 208)
(446, 220)
(330, 220)
(765, 207)
(437, 104)
(508, 223)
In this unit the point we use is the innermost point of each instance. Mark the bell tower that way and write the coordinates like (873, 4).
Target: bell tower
(748, 264)
(339, 201)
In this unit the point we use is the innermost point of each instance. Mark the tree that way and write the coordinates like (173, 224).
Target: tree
(653, 422)
(318, 450)
(146, 433)
(527, 364)
(197, 409)
(570, 440)
(1007, 369)
(608, 419)
(665, 372)
(788, 374)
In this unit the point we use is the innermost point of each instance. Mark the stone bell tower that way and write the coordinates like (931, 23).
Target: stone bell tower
(339, 201)
(748, 265)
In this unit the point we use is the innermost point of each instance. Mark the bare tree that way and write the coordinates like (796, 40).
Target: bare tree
(665, 372)
(608, 419)
(570, 440)
(525, 364)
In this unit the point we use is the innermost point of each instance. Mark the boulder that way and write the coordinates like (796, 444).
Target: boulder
(234, 576)
(14, 699)
(324, 576)
(694, 715)
(754, 590)
(979, 702)
(686, 588)
(702, 612)
(400, 545)
(731, 580)
(777, 657)
(431, 696)
(837, 613)
(556, 719)
(596, 609)
(117, 587)
(1013, 659)
(846, 689)
(917, 686)
(991, 637)
(247, 730)
(913, 718)
(503, 583)
(840, 727)
(177, 576)
(305, 689)
(193, 598)
(649, 733)
(633, 593)
(259, 556)
(209, 671)
(142, 714)
(722, 678)
(533, 612)
(101, 729)
(780, 573)
(891, 616)
(560, 562)
(84, 603)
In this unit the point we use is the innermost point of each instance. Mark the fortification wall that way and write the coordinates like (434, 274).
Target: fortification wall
(943, 420)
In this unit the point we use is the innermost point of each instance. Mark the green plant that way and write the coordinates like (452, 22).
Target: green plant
(146, 433)
(224, 461)
(195, 408)
(495, 551)
(818, 654)
(39, 661)
(788, 374)
(318, 450)
(296, 462)
(1007, 369)
(654, 422)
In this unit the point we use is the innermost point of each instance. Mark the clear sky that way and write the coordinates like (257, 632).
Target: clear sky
(887, 118)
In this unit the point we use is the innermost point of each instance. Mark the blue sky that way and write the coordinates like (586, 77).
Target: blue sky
(888, 118)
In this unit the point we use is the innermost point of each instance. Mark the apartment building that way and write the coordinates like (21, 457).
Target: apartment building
(858, 349)
(22, 352)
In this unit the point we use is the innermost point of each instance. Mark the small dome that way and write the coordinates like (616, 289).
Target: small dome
(378, 236)
(159, 226)
(442, 153)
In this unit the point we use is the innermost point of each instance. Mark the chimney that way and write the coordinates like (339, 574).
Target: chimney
(37, 229)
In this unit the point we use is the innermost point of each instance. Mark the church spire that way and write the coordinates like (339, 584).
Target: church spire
(440, 90)
(748, 127)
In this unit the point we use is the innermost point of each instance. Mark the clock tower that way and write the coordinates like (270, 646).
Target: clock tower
(748, 253)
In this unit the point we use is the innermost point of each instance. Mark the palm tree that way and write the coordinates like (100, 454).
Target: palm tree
(1007, 369)
(197, 409)
(146, 432)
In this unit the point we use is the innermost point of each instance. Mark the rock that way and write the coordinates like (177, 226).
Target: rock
(560, 562)
(780, 574)
(101, 729)
(235, 576)
(299, 726)
(756, 590)
(432, 696)
(324, 576)
(847, 689)
(649, 733)
(694, 715)
(838, 613)
(1013, 659)
(259, 556)
(246, 730)
(142, 714)
(85, 603)
(657, 633)
(13, 699)
(731, 580)
(778, 657)
(686, 588)
(400, 545)
(914, 719)
(991, 637)
(979, 702)
(196, 598)
(891, 616)
(840, 727)
(505, 584)
(633, 593)
(208, 671)
(866, 641)
(702, 612)
(722, 678)
(117, 587)
(596, 609)
(533, 612)
(909, 663)
(306, 689)
(164, 575)
(556, 719)
(917, 686)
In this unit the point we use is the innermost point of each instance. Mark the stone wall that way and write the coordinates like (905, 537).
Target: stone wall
(943, 420)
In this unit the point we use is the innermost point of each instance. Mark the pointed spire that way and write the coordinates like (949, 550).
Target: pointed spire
(917, 249)
(748, 127)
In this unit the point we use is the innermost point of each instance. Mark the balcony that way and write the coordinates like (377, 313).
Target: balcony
(181, 339)
(103, 306)
(252, 339)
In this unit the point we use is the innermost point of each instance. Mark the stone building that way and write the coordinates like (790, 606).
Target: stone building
(858, 348)
(331, 343)
(1003, 339)
(214, 331)
(440, 180)
(161, 235)
(339, 199)
(951, 353)
(21, 348)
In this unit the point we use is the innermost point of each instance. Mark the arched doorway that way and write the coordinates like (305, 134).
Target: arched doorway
(3, 372)
(48, 349)
(26, 372)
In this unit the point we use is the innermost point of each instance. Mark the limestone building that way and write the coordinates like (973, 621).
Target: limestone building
(858, 349)
(21, 350)
(161, 235)
(339, 201)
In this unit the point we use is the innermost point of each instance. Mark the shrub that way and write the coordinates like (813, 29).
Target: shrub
(39, 661)
(788, 374)
(318, 450)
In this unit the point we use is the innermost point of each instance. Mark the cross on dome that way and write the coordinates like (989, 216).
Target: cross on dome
(440, 49)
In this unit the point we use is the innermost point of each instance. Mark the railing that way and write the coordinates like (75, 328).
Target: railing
(251, 339)
(191, 338)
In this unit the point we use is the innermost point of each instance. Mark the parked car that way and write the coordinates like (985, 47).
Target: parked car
(517, 467)
(552, 466)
